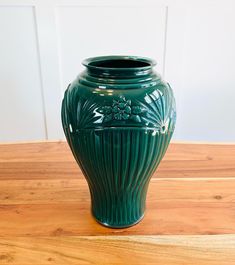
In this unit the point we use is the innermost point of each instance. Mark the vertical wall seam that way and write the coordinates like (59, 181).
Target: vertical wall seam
(58, 49)
(40, 72)
(165, 42)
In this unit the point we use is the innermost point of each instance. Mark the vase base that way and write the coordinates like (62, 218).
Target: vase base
(118, 226)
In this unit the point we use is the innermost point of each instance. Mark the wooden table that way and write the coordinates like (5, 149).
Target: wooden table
(45, 210)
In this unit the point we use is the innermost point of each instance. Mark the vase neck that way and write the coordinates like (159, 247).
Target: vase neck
(119, 66)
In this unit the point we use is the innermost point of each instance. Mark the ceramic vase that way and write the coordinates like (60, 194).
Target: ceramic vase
(118, 117)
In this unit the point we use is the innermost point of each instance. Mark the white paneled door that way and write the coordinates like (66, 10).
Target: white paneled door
(42, 44)
(208, 77)
(21, 102)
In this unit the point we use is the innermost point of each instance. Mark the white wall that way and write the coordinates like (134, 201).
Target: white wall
(42, 44)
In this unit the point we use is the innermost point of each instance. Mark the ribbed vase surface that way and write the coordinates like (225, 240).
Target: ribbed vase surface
(118, 117)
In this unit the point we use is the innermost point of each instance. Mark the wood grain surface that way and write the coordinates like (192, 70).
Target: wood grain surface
(45, 210)
(105, 250)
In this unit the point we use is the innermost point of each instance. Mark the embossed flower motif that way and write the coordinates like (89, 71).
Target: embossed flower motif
(121, 109)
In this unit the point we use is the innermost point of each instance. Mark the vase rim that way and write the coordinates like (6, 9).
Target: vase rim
(119, 63)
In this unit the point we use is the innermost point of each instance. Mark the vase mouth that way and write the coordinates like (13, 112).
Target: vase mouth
(119, 65)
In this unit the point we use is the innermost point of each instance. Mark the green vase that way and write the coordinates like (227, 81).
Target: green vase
(118, 117)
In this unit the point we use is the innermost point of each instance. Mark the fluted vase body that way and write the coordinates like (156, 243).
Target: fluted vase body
(118, 117)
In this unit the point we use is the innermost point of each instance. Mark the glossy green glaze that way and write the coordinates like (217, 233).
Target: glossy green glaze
(118, 117)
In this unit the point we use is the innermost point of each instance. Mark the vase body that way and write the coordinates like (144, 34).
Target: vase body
(118, 117)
